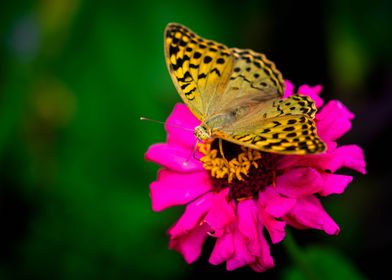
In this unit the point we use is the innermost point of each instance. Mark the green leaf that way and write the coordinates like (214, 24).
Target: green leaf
(324, 263)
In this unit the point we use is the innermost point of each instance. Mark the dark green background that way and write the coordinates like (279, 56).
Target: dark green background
(75, 76)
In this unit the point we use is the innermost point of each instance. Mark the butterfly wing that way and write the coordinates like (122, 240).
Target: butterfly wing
(199, 68)
(210, 77)
(254, 79)
(216, 82)
(256, 73)
(284, 126)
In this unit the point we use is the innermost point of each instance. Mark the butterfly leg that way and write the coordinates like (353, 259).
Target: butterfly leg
(194, 150)
(193, 155)
(274, 179)
(221, 149)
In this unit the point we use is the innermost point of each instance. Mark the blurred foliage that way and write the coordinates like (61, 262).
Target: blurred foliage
(321, 263)
(75, 76)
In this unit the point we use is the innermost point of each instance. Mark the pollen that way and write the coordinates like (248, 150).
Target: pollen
(244, 171)
(237, 167)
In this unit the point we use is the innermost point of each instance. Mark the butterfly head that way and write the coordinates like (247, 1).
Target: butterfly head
(202, 132)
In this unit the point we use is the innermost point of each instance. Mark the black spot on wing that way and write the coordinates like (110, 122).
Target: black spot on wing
(207, 59)
(186, 78)
(220, 61)
(184, 86)
(183, 43)
(257, 64)
(289, 128)
(188, 93)
(180, 62)
(202, 76)
(293, 121)
(173, 50)
(216, 71)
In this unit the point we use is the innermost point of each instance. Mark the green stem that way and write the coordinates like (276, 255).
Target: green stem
(299, 257)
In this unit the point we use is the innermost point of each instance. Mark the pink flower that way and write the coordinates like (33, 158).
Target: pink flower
(283, 190)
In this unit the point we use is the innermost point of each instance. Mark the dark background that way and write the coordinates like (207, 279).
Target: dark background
(75, 76)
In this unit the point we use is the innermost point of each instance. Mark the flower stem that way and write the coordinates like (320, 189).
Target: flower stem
(299, 257)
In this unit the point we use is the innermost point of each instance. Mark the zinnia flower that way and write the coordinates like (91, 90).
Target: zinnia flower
(234, 203)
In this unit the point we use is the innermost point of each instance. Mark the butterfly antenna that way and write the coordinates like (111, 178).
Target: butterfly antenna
(171, 125)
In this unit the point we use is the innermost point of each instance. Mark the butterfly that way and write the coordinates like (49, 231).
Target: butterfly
(237, 94)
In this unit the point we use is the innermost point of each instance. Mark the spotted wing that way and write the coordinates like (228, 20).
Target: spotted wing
(210, 77)
(199, 68)
(284, 126)
(254, 80)
(216, 82)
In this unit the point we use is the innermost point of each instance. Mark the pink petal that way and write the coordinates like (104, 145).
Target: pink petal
(275, 228)
(313, 93)
(309, 213)
(221, 213)
(350, 156)
(289, 89)
(192, 216)
(180, 126)
(299, 182)
(333, 121)
(223, 249)
(241, 255)
(238, 246)
(177, 188)
(331, 146)
(334, 183)
(294, 223)
(173, 157)
(275, 204)
(264, 261)
(190, 245)
(247, 213)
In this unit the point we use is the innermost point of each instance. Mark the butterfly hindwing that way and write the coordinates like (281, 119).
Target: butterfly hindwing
(284, 135)
(283, 126)
(256, 73)
(254, 79)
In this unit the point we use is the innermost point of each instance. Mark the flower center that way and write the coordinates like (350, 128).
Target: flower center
(245, 171)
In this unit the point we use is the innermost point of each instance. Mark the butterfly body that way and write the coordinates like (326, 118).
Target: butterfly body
(237, 95)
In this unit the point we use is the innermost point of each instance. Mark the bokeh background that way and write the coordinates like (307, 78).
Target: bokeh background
(75, 76)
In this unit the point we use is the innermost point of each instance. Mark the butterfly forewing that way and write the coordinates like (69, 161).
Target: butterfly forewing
(199, 68)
